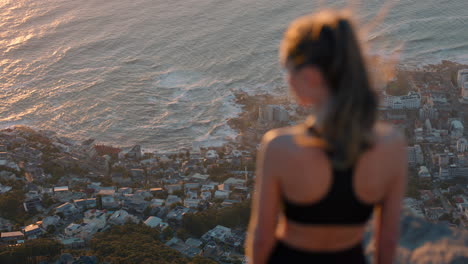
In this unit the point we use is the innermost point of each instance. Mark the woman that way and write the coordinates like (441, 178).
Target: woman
(318, 183)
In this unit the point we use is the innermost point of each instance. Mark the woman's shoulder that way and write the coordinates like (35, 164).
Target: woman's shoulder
(280, 135)
(290, 139)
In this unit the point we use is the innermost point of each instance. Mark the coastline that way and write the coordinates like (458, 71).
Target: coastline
(249, 104)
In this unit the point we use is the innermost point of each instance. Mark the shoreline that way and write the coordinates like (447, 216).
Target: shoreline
(249, 102)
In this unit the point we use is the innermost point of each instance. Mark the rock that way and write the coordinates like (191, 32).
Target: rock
(422, 242)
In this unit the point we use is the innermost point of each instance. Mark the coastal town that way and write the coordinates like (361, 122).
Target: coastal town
(72, 191)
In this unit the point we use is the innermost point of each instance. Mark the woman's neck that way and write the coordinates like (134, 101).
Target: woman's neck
(318, 116)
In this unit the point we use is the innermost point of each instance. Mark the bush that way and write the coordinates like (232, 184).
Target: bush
(199, 223)
(30, 251)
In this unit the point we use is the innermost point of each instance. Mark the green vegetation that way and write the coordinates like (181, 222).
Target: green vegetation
(398, 87)
(136, 243)
(199, 223)
(11, 206)
(32, 251)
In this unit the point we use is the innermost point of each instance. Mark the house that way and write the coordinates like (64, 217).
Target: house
(191, 195)
(199, 177)
(205, 195)
(208, 187)
(426, 195)
(156, 191)
(423, 173)
(33, 204)
(211, 250)
(72, 229)
(109, 202)
(228, 202)
(131, 153)
(50, 221)
(120, 178)
(137, 173)
(67, 209)
(157, 202)
(234, 182)
(72, 242)
(125, 190)
(5, 225)
(4, 189)
(434, 213)
(11, 237)
(135, 204)
(414, 206)
(219, 233)
(32, 231)
(153, 221)
(107, 191)
(173, 187)
(193, 242)
(87, 230)
(221, 194)
(143, 194)
(192, 186)
(84, 204)
(172, 199)
(177, 213)
(60, 189)
(121, 217)
(211, 154)
(463, 207)
(191, 203)
(96, 218)
(94, 213)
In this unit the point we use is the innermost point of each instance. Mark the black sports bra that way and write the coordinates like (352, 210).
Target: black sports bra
(339, 207)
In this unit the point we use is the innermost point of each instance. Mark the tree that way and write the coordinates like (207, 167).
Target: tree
(199, 223)
(30, 251)
(51, 229)
(11, 206)
(99, 202)
(167, 233)
(133, 243)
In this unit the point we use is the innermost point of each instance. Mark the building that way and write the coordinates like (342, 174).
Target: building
(221, 194)
(462, 79)
(32, 231)
(410, 101)
(428, 112)
(11, 237)
(270, 113)
(191, 203)
(462, 145)
(67, 209)
(423, 173)
(415, 155)
(434, 213)
(153, 221)
(131, 153)
(455, 171)
(219, 233)
(456, 129)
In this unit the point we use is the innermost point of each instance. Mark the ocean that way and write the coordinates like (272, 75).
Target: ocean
(163, 73)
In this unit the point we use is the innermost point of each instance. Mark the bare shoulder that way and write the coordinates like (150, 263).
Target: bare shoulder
(279, 137)
(280, 141)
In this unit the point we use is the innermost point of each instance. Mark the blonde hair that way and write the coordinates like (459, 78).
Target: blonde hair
(327, 41)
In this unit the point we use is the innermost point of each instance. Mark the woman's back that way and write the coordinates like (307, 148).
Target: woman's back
(306, 178)
(303, 211)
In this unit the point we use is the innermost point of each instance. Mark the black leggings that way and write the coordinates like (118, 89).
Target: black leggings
(283, 253)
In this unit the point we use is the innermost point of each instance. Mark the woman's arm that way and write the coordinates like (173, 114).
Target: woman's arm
(263, 220)
(387, 217)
